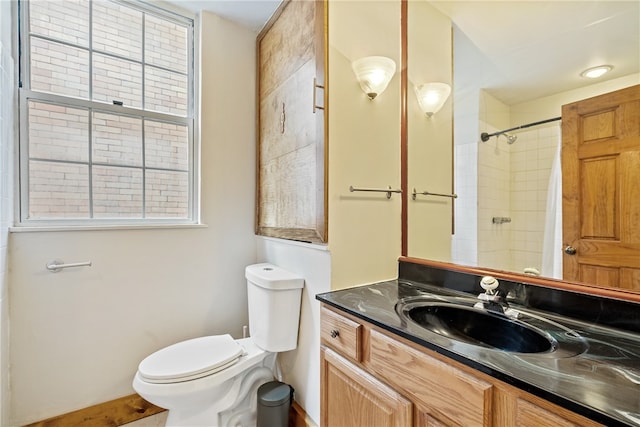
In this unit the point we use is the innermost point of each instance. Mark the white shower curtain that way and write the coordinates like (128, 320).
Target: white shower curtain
(552, 243)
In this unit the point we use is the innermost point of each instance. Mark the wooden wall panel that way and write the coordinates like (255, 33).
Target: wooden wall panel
(287, 45)
(290, 150)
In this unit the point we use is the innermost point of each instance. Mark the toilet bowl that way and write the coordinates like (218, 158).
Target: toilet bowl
(213, 380)
(199, 399)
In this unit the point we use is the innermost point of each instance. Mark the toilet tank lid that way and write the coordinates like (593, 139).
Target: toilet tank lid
(273, 277)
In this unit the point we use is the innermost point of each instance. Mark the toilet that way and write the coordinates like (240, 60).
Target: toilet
(213, 380)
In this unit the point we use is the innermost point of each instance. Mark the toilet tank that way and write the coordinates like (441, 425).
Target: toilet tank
(274, 297)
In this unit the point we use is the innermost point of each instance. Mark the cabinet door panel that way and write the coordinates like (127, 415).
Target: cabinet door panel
(353, 398)
(459, 396)
(428, 418)
(529, 414)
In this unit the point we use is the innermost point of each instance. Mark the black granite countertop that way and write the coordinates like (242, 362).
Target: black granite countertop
(600, 381)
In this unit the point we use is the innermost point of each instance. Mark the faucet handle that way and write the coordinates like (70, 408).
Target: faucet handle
(489, 283)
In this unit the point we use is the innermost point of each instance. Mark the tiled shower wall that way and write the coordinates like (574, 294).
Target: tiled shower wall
(464, 243)
(494, 200)
(531, 160)
(513, 182)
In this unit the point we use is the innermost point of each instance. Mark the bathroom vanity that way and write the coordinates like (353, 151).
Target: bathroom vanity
(383, 364)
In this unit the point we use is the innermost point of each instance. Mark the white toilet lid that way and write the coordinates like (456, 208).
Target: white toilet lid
(191, 359)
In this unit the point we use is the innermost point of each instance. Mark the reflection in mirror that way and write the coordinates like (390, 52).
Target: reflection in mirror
(516, 63)
(363, 143)
(429, 131)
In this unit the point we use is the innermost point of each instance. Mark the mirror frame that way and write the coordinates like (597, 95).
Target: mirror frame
(583, 288)
(404, 125)
(580, 287)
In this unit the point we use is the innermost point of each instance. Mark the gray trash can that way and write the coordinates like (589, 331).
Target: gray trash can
(274, 403)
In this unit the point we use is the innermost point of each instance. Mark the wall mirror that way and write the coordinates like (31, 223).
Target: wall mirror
(515, 63)
(429, 116)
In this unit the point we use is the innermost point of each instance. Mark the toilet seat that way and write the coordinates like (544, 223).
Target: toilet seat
(191, 359)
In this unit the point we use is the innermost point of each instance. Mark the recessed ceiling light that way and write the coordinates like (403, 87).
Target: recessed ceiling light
(595, 72)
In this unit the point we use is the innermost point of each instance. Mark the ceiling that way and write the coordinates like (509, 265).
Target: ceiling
(252, 14)
(536, 48)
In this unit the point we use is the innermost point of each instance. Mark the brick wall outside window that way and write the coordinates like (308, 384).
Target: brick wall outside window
(107, 112)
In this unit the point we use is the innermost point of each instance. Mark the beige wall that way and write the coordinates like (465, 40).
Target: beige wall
(551, 106)
(364, 146)
(301, 367)
(7, 105)
(77, 336)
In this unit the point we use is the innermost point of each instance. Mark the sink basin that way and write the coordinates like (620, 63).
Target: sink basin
(481, 328)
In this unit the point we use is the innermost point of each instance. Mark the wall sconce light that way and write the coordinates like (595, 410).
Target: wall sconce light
(432, 96)
(374, 73)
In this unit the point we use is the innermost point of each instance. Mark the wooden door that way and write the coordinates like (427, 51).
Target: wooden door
(601, 189)
(352, 397)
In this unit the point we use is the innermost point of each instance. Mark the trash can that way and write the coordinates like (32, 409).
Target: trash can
(274, 403)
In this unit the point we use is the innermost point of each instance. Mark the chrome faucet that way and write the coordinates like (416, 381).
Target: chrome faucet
(493, 299)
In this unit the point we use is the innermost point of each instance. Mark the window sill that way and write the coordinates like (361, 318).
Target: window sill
(32, 229)
(317, 246)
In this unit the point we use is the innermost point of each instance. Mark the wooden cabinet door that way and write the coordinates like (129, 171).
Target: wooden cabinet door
(350, 397)
(291, 194)
(531, 415)
(446, 392)
(428, 418)
(516, 408)
(601, 200)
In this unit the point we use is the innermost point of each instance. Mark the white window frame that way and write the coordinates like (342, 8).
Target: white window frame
(25, 95)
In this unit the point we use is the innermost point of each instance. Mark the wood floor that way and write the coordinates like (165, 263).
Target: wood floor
(157, 420)
(133, 411)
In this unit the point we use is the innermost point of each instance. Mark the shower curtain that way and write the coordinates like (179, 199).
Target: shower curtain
(552, 242)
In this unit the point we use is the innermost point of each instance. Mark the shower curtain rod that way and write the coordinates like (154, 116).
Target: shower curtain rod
(485, 136)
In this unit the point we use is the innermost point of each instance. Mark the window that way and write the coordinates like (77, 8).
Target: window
(106, 114)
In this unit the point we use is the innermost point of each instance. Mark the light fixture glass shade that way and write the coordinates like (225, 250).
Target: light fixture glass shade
(432, 96)
(374, 73)
(595, 72)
